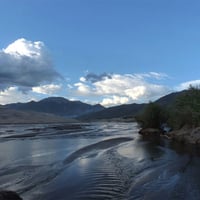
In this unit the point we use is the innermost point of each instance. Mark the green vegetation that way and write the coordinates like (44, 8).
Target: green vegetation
(153, 116)
(185, 112)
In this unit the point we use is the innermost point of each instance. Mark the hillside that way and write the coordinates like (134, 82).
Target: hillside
(57, 106)
(128, 110)
(122, 111)
(169, 99)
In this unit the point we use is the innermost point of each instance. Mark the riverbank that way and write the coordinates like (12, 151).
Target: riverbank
(184, 135)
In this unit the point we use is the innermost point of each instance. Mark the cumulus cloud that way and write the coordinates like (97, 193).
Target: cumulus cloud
(186, 85)
(26, 64)
(117, 89)
(114, 100)
(47, 89)
(83, 89)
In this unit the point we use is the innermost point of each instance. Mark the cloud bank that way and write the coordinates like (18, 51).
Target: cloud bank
(27, 72)
(115, 89)
(26, 64)
(47, 89)
(13, 95)
(186, 85)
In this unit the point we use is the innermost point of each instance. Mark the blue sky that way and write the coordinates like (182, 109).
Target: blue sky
(98, 51)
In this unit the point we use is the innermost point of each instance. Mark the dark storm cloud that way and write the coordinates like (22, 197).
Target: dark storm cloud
(95, 78)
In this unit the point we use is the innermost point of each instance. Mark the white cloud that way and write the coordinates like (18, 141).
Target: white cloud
(83, 79)
(23, 47)
(116, 89)
(82, 89)
(13, 95)
(26, 69)
(186, 85)
(26, 64)
(158, 76)
(47, 89)
(114, 100)
(135, 92)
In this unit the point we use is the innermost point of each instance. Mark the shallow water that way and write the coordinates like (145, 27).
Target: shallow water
(98, 161)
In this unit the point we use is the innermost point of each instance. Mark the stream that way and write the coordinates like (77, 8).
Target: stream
(99, 160)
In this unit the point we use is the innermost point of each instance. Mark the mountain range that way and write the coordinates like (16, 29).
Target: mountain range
(127, 111)
(59, 106)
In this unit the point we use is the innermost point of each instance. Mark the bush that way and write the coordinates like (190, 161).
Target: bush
(153, 116)
(185, 112)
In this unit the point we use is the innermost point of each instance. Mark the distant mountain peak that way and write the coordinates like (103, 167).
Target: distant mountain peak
(64, 107)
(55, 100)
(57, 106)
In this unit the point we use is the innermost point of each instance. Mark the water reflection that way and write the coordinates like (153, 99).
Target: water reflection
(142, 149)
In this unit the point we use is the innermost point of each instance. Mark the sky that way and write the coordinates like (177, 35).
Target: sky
(110, 52)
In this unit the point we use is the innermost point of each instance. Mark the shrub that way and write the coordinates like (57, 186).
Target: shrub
(185, 112)
(153, 116)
